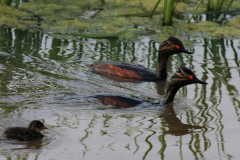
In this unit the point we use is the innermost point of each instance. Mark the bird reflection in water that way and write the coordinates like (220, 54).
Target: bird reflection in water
(34, 144)
(174, 124)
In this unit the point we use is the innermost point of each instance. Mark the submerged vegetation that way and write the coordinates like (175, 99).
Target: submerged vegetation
(115, 18)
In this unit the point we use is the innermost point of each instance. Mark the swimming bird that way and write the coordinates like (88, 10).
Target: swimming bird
(26, 134)
(184, 76)
(135, 72)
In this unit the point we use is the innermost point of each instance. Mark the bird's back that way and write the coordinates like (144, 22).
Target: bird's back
(118, 101)
(22, 134)
(123, 70)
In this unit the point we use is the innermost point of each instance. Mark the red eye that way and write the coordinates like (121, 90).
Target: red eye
(191, 77)
(178, 47)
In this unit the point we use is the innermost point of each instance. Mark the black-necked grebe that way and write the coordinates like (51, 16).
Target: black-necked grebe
(184, 76)
(138, 73)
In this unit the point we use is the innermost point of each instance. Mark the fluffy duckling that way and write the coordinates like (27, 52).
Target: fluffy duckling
(26, 134)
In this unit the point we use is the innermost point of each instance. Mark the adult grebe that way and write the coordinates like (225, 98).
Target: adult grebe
(136, 72)
(184, 76)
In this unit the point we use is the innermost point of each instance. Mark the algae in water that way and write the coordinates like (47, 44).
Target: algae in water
(66, 17)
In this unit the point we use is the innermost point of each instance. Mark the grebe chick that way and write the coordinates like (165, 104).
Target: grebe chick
(26, 134)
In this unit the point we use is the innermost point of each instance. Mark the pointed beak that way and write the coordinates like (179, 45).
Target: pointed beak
(185, 51)
(43, 127)
(199, 81)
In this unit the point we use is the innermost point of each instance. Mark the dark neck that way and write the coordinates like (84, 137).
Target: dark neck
(162, 65)
(171, 92)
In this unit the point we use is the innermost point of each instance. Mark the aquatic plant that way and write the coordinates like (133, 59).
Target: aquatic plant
(17, 4)
(214, 8)
(118, 18)
(155, 8)
(168, 11)
(6, 2)
(195, 10)
(220, 17)
(169, 6)
(9, 3)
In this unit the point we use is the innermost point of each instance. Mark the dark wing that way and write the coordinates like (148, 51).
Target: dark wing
(22, 134)
(123, 70)
(17, 133)
(118, 101)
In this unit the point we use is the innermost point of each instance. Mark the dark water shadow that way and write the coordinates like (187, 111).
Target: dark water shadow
(13, 144)
(174, 124)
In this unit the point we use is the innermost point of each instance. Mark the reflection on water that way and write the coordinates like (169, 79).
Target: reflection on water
(18, 145)
(42, 77)
(175, 126)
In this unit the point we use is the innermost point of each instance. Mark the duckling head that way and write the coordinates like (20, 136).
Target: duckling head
(36, 125)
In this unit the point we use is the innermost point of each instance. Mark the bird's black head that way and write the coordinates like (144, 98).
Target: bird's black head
(36, 126)
(173, 46)
(185, 76)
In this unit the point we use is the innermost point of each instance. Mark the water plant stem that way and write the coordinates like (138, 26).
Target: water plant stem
(221, 4)
(175, 5)
(221, 16)
(17, 4)
(155, 8)
(217, 5)
(168, 11)
(210, 5)
(194, 11)
(6, 2)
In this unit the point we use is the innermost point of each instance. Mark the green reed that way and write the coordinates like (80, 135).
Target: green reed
(210, 5)
(219, 4)
(6, 2)
(195, 10)
(221, 16)
(169, 7)
(17, 4)
(155, 8)
(168, 11)
(214, 7)
(9, 3)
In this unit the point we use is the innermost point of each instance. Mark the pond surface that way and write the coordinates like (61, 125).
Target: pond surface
(46, 78)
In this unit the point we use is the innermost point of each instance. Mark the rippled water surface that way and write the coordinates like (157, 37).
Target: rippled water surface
(45, 78)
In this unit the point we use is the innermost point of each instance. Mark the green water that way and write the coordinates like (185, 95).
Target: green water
(46, 78)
